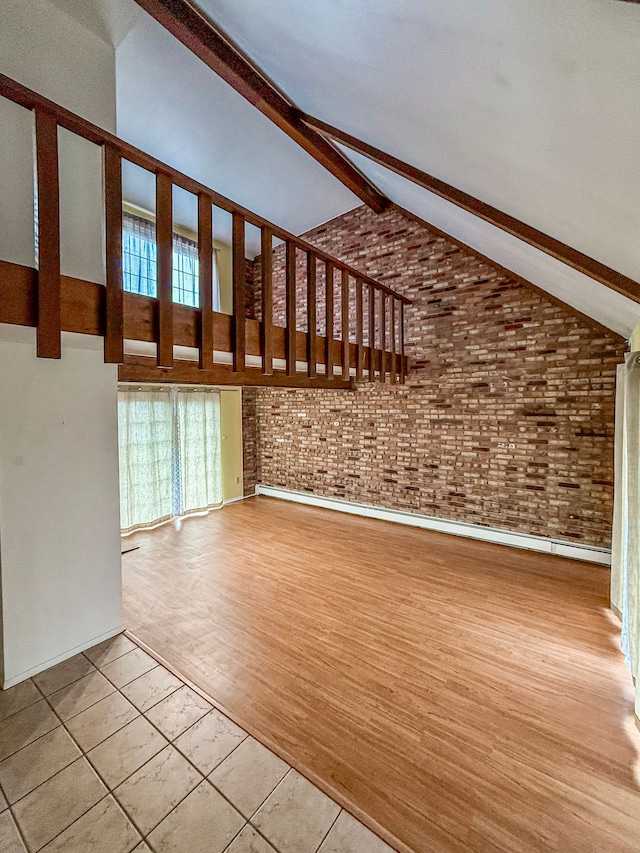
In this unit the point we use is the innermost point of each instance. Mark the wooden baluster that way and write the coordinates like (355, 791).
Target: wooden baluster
(372, 331)
(164, 241)
(114, 320)
(383, 336)
(48, 340)
(266, 343)
(311, 315)
(329, 319)
(290, 351)
(345, 325)
(205, 278)
(394, 370)
(239, 294)
(359, 331)
(403, 358)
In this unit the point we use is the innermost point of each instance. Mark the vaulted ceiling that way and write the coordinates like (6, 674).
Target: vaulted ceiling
(532, 106)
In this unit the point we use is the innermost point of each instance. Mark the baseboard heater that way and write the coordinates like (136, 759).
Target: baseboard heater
(529, 542)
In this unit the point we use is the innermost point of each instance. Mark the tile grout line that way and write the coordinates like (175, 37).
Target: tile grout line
(168, 742)
(333, 823)
(188, 760)
(117, 657)
(234, 837)
(111, 791)
(24, 708)
(250, 821)
(162, 662)
(225, 712)
(82, 755)
(247, 821)
(16, 824)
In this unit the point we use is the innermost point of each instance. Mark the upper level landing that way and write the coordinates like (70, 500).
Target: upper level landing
(338, 324)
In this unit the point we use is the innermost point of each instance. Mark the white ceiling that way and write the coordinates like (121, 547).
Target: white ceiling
(583, 293)
(173, 106)
(110, 20)
(530, 105)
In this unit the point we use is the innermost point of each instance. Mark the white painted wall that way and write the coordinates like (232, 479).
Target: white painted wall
(59, 504)
(48, 51)
(171, 105)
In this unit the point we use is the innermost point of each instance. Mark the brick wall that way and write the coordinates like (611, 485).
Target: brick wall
(251, 297)
(507, 416)
(249, 441)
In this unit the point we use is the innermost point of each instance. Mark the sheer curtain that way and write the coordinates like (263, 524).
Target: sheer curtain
(139, 259)
(145, 439)
(625, 546)
(139, 263)
(185, 272)
(199, 431)
(170, 454)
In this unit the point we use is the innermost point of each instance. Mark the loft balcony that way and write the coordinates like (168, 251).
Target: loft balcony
(322, 322)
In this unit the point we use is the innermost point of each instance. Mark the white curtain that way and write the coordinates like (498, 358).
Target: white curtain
(145, 439)
(185, 272)
(139, 259)
(170, 455)
(139, 263)
(625, 547)
(199, 434)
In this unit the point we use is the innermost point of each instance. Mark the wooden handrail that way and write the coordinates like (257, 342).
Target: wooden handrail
(65, 118)
(166, 314)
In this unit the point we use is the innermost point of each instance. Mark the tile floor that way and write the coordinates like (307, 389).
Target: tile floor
(109, 752)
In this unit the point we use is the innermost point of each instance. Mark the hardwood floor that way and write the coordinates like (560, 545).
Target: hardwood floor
(460, 695)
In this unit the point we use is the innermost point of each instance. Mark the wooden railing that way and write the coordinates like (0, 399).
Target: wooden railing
(371, 338)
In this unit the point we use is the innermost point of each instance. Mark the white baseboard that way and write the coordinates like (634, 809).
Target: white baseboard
(234, 500)
(443, 525)
(16, 679)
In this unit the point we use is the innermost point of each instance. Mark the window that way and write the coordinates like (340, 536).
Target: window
(139, 263)
(170, 459)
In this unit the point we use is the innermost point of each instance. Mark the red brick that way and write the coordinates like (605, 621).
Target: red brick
(525, 386)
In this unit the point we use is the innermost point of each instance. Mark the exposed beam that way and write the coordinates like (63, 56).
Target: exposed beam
(144, 369)
(198, 34)
(572, 257)
(83, 311)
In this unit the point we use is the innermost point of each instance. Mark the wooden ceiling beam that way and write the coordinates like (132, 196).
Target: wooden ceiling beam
(201, 37)
(572, 257)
